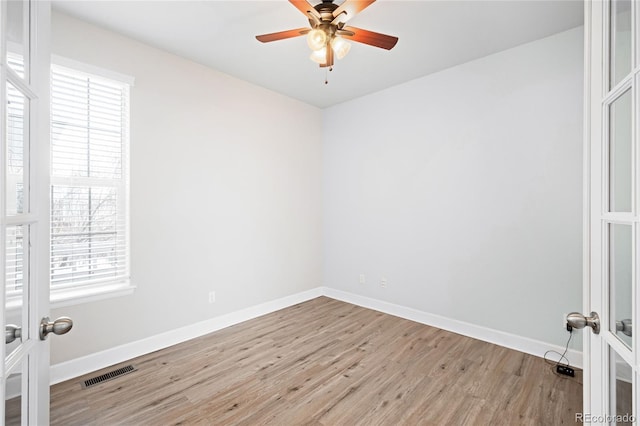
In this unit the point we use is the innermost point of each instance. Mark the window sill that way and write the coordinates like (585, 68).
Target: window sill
(76, 296)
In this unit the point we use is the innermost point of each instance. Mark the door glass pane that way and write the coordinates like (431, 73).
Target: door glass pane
(15, 388)
(14, 266)
(620, 40)
(620, 173)
(620, 296)
(621, 386)
(17, 25)
(16, 125)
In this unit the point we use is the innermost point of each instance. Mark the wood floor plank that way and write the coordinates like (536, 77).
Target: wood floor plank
(325, 362)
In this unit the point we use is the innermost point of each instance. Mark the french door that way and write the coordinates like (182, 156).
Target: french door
(612, 225)
(24, 233)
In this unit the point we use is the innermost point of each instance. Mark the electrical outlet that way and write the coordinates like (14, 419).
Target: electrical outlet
(212, 297)
(362, 279)
(383, 282)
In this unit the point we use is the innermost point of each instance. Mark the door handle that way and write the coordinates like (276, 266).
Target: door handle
(577, 320)
(60, 326)
(625, 327)
(11, 333)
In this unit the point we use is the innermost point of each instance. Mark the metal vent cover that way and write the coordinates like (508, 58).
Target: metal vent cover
(108, 376)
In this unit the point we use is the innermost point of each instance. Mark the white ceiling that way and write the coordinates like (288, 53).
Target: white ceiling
(434, 35)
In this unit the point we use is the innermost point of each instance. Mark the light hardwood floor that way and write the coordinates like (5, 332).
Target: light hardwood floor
(326, 362)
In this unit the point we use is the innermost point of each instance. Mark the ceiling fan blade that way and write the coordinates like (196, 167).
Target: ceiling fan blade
(350, 8)
(305, 7)
(265, 38)
(371, 38)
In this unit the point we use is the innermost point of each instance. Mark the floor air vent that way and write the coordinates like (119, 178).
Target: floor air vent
(108, 376)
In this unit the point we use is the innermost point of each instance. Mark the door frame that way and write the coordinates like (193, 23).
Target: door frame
(40, 192)
(597, 99)
(586, 224)
(34, 353)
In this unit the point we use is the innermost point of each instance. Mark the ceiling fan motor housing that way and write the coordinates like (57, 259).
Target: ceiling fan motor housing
(325, 22)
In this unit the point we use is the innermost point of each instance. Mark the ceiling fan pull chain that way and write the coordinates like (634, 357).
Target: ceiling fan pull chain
(326, 78)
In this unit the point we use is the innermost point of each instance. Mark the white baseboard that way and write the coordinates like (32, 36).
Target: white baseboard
(501, 338)
(86, 364)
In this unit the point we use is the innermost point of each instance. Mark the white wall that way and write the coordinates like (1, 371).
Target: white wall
(225, 194)
(463, 189)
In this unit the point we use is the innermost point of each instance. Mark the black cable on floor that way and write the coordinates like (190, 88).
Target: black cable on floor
(563, 356)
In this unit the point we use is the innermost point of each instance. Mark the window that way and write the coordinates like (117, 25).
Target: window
(89, 183)
(16, 103)
(16, 172)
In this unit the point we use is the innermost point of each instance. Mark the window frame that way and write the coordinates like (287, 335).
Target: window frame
(67, 295)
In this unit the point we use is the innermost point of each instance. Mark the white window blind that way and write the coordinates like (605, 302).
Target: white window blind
(89, 180)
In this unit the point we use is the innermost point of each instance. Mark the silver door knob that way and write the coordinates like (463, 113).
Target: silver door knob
(577, 320)
(60, 326)
(625, 327)
(11, 333)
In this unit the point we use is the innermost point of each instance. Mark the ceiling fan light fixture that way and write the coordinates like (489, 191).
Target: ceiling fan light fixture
(319, 56)
(340, 46)
(328, 34)
(316, 39)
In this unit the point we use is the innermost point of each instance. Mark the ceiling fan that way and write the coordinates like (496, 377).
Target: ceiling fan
(328, 33)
